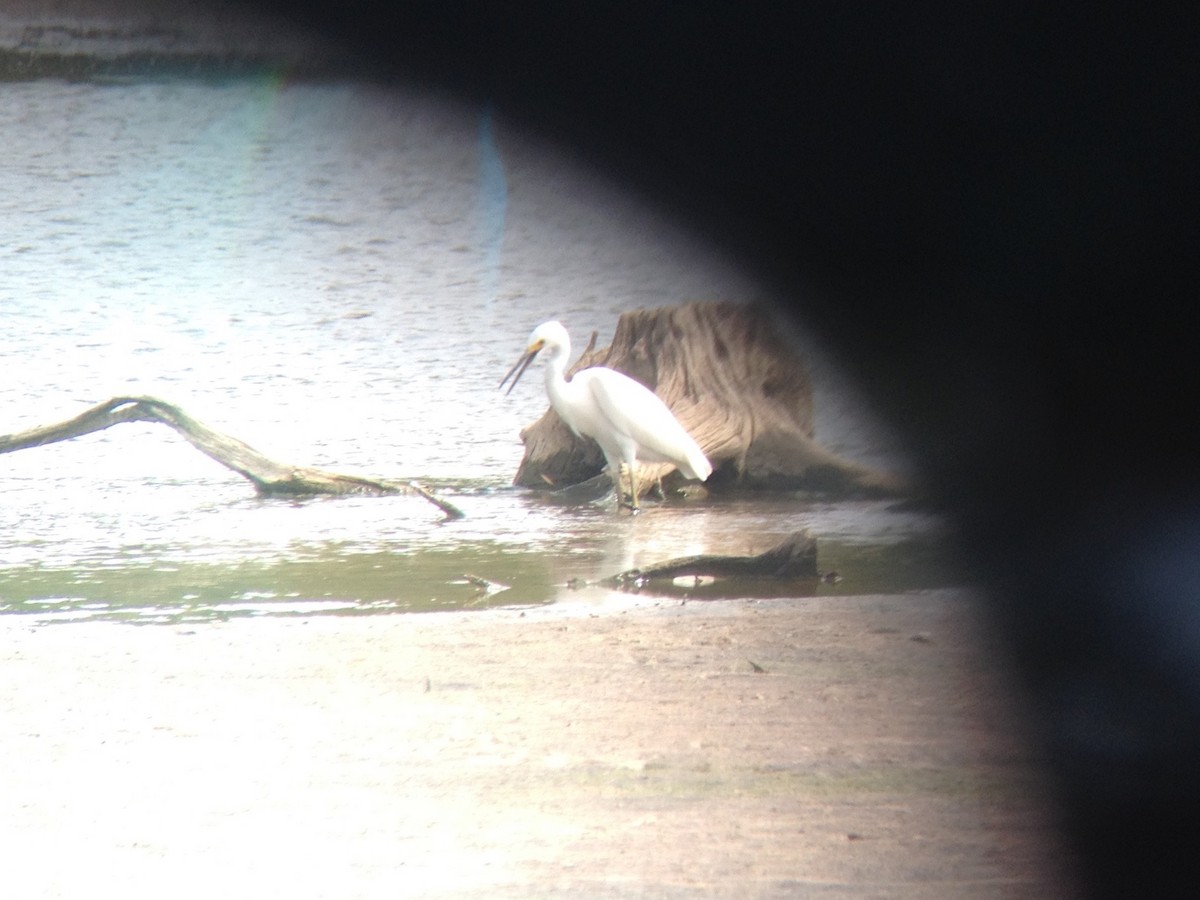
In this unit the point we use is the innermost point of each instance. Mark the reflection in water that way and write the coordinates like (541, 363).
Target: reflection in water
(545, 553)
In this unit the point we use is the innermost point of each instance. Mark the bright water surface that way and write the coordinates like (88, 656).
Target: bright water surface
(338, 274)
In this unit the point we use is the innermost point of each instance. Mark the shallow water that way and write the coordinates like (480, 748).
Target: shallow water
(337, 274)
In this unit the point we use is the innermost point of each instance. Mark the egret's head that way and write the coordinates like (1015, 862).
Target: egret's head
(551, 335)
(548, 335)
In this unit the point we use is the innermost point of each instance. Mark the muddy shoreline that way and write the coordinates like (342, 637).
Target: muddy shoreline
(606, 747)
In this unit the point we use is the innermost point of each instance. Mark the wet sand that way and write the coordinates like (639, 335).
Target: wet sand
(607, 747)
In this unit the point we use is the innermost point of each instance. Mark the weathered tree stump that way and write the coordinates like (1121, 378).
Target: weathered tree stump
(733, 382)
(270, 478)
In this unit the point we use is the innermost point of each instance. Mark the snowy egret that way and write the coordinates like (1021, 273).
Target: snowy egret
(624, 417)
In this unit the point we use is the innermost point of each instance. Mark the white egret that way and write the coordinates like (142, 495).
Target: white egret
(624, 417)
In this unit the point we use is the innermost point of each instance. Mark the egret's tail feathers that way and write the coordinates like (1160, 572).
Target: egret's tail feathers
(696, 465)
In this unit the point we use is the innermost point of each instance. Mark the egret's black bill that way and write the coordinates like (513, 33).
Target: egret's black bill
(522, 364)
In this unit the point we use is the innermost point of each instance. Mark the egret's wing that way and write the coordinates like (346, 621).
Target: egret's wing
(634, 410)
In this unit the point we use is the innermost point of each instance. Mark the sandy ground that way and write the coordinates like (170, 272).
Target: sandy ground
(831, 747)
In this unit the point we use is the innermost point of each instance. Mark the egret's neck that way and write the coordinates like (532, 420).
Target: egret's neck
(557, 386)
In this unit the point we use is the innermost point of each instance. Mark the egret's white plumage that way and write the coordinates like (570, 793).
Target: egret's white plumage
(624, 417)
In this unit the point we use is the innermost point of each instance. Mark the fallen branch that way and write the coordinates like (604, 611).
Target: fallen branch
(270, 478)
(795, 557)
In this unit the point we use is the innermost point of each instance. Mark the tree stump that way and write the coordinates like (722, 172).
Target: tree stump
(733, 382)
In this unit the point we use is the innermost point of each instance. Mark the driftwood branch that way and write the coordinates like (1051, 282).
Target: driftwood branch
(795, 557)
(734, 382)
(270, 478)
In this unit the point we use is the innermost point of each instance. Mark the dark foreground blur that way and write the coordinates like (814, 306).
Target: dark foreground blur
(983, 198)
(988, 201)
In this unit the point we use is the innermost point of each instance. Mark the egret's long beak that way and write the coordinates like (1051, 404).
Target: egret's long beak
(522, 364)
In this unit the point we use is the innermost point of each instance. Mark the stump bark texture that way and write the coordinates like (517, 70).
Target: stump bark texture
(732, 380)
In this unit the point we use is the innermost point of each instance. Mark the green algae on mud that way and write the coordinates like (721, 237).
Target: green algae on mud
(334, 579)
(327, 579)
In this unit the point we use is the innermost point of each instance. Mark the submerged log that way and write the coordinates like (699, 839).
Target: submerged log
(795, 557)
(733, 382)
(270, 478)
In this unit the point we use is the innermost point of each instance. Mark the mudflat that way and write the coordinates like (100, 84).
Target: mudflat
(604, 747)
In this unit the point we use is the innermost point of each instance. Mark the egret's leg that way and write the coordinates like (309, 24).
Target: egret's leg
(621, 469)
(614, 472)
(613, 467)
